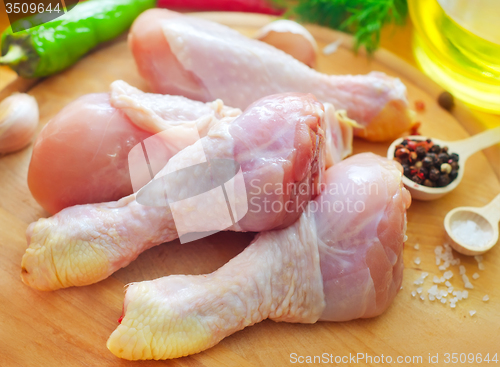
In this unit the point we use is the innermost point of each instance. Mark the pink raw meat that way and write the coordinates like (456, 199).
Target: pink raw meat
(278, 142)
(203, 60)
(340, 261)
(87, 144)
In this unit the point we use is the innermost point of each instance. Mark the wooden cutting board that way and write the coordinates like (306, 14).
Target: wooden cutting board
(70, 327)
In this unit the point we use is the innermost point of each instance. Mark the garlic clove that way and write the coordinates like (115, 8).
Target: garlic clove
(292, 38)
(19, 118)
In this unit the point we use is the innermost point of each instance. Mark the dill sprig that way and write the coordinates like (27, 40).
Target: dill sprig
(363, 18)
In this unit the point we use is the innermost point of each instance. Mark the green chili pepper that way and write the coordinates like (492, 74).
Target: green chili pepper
(56, 45)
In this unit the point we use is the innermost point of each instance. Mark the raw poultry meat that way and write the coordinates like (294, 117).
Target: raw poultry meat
(86, 145)
(340, 261)
(203, 60)
(278, 142)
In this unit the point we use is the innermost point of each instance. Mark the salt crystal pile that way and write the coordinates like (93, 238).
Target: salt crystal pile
(469, 233)
(444, 253)
(444, 259)
(420, 280)
(465, 278)
(462, 269)
(453, 302)
(438, 280)
(467, 283)
(479, 260)
(433, 292)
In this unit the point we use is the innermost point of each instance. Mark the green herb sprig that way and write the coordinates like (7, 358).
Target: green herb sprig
(363, 18)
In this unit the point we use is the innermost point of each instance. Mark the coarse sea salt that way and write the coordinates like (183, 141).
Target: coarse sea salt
(469, 233)
(420, 280)
(417, 261)
(436, 279)
(433, 290)
(442, 290)
(445, 253)
(416, 247)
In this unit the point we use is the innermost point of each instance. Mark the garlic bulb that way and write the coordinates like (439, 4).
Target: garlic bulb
(18, 122)
(292, 38)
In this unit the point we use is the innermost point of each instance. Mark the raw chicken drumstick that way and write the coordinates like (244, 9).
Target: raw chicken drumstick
(340, 261)
(203, 60)
(278, 142)
(87, 145)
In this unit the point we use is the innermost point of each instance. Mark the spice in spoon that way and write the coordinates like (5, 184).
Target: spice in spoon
(426, 163)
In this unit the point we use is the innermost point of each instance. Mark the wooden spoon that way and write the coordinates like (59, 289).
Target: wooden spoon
(485, 218)
(464, 148)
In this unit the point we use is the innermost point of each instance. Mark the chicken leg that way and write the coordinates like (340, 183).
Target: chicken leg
(277, 143)
(204, 60)
(340, 261)
(86, 145)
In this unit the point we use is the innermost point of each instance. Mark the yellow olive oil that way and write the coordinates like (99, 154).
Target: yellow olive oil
(457, 43)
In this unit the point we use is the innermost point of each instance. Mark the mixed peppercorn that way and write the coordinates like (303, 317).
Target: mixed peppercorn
(426, 163)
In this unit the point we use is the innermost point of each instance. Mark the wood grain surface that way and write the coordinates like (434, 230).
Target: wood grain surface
(70, 327)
